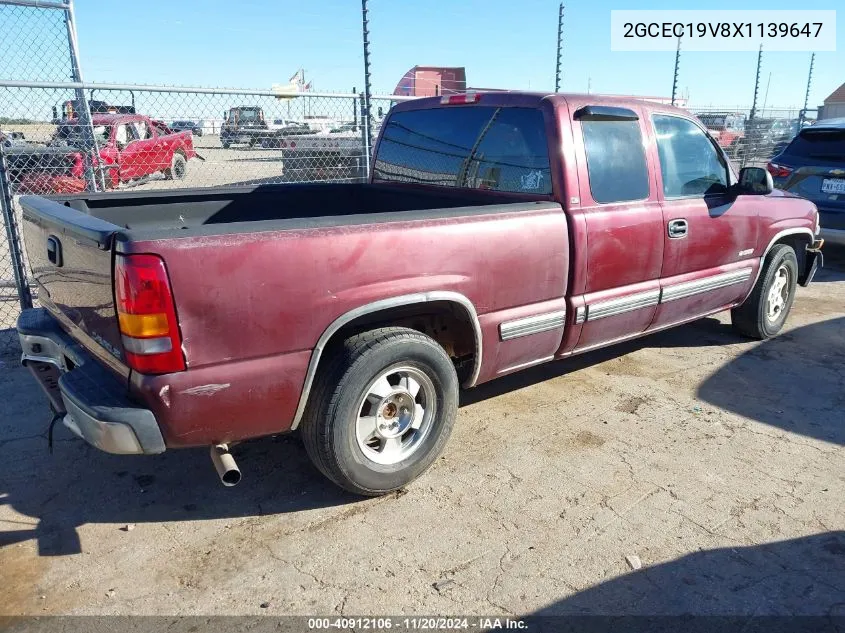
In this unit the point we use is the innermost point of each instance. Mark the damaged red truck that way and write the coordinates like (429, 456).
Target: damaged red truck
(498, 231)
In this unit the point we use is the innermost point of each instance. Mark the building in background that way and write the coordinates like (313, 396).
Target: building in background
(834, 105)
(431, 81)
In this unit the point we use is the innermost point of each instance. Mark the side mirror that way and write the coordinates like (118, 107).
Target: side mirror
(755, 181)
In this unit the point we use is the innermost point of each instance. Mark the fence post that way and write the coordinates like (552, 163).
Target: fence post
(15, 252)
(92, 152)
(559, 45)
(677, 66)
(803, 113)
(753, 112)
(366, 115)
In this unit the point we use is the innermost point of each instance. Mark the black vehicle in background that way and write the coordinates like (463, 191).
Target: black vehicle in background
(246, 125)
(180, 126)
(243, 125)
(813, 166)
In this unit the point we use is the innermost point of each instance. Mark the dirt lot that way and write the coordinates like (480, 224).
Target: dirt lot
(717, 461)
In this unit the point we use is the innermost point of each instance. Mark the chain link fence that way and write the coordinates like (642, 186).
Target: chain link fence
(753, 138)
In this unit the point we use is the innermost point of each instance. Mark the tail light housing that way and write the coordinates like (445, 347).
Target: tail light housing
(146, 315)
(778, 171)
(78, 168)
(464, 97)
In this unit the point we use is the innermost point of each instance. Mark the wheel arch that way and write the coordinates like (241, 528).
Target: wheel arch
(385, 311)
(793, 237)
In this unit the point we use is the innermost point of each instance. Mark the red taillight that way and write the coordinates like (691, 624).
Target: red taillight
(78, 168)
(146, 315)
(778, 171)
(465, 97)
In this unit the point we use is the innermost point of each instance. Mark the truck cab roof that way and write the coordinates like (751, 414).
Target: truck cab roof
(527, 99)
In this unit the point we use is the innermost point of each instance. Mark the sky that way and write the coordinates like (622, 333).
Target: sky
(502, 44)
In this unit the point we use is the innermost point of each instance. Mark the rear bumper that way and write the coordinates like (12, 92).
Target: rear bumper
(92, 401)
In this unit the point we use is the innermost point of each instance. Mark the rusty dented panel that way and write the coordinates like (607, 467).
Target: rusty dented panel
(225, 402)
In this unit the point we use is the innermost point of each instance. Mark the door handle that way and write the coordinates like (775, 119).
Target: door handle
(678, 228)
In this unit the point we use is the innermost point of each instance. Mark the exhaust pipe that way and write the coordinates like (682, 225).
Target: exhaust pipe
(223, 461)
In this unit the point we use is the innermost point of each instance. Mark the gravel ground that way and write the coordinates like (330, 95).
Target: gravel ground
(714, 462)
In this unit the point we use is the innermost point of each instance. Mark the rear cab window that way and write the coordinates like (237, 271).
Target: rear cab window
(475, 147)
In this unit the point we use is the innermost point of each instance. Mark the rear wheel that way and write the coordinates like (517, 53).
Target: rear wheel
(764, 312)
(178, 168)
(381, 411)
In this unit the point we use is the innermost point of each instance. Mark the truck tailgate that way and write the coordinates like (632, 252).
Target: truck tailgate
(71, 257)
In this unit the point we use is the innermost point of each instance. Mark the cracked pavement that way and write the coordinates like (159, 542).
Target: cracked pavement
(716, 460)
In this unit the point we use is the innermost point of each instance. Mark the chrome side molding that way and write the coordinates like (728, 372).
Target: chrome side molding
(628, 303)
(707, 284)
(532, 325)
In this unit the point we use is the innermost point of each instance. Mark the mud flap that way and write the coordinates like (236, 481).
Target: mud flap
(813, 260)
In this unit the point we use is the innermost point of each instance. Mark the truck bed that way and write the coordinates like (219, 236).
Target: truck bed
(259, 275)
(156, 214)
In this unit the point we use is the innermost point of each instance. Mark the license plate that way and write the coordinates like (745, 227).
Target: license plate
(833, 185)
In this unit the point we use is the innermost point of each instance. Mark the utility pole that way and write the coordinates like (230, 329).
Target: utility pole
(559, 45)
(803, 112)
(766, 97)
(366, 114)
(677, 65)
(756, 85)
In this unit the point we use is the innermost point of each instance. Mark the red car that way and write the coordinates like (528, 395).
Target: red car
(499, 231)
(131, 146)
(727, 128)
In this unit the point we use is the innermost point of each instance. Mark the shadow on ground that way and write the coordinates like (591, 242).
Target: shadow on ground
(798, 577)
(79, 484)
(703, 333)
(755, 386)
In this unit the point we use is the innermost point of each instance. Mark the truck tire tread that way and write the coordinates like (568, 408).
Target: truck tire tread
(749, 319)
(331, 384)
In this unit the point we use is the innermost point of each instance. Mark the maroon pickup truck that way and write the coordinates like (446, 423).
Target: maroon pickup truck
(499, 231)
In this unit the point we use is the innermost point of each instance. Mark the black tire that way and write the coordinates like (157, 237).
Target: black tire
(328, 427)
(752, 317)
(178, 168)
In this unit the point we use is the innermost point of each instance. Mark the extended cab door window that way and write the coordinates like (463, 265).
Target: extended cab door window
(478, 147)
(616, 161)
(690, 163)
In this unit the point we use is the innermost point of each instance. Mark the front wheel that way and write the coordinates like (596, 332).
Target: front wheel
(381, 411)
(764, 312)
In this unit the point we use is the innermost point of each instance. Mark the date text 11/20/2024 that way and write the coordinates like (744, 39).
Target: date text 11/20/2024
(417, 624)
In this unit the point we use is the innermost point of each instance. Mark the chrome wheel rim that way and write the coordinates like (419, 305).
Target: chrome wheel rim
(778, 294)
(395, 415)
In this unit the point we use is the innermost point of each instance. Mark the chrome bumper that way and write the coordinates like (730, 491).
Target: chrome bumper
(93, 402)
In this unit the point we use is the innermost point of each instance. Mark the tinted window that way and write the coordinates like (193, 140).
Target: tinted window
(615, 160)
(690, 164)
(819, 144)
(502, 149)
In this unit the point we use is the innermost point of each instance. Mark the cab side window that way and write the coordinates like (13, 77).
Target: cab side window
(615, 160)
(142, 130)
(690, 163)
